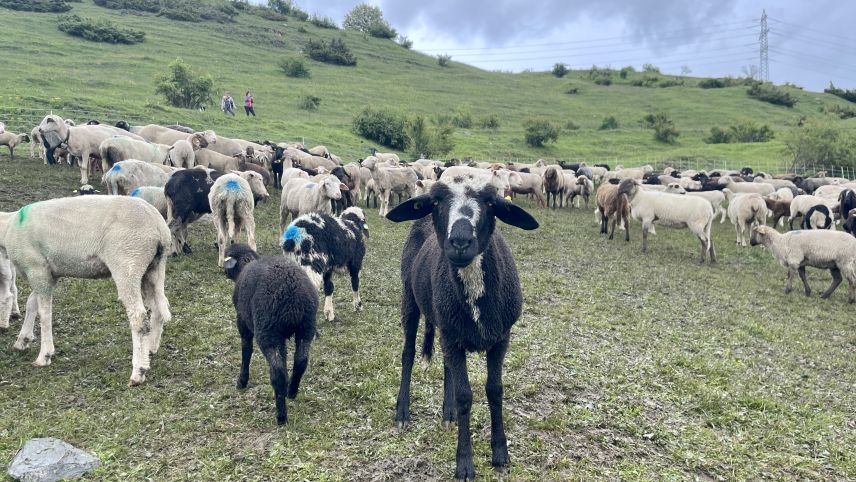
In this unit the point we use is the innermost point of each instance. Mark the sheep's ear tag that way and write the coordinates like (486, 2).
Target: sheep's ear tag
(229, 263)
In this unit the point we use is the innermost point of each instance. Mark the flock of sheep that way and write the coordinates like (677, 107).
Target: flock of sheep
(458, 275)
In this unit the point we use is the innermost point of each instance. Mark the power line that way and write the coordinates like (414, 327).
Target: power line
(821, 32)
(815, 42)
(811, 58)
(683, 57)
(807, 69)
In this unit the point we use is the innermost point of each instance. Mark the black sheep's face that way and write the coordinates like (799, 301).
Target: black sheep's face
(237, 257)
(464, 212)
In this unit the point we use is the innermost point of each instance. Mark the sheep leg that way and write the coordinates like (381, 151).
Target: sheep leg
(11, 153)
(804, 278)
(410, 324)
(850, 274)
(249, 223)
(25, 336)
(627, 228)
(155, 300)
(275, 356)
(645, 227)
(604, 222)
(130, 294)
(355, 287)
(329, 313)
(84, 168)
(456, 359)
(450, 412)
(246, 355)
(301, 361)
(722, 210)
(789, 286)
(493, 388)
(836, 280)
(45, 301)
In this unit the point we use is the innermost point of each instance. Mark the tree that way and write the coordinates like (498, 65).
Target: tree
(368, 19)
(750, 71)
(560, 70)
(427, 142)
(184, 88)
(819, 145)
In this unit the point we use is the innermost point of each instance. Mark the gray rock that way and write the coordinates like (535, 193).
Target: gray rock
(50, 459)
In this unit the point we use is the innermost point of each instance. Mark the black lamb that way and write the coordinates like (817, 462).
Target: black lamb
(187, 200)
(274, 301)
(846, 204)
(322, 244)
(460, 275)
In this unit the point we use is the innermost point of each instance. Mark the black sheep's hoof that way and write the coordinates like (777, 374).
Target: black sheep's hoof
(241, 385)
(281, 419)
(465, 470)
(500, 460)
(186, 249)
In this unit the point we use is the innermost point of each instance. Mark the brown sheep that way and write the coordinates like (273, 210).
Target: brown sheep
(610, 203)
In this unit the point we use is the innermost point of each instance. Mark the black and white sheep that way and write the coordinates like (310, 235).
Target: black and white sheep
(92, 237)
(818, 217)
(459, 274)
(824, 249)
(322, 244)
(274, 301)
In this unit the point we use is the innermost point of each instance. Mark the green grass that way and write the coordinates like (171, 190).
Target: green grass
(45, 69)
(623, 366)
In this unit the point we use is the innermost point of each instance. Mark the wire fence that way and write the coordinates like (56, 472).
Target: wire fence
(23, 119)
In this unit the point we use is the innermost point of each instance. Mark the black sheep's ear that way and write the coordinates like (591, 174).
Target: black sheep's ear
(414, 208)
(230, 263)
(512, 214)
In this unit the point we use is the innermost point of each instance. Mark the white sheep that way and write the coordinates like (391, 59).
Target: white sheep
(8, 291)
(761, 188)
(716, 200)
(293, 173)
(153, 195)
(670, 210)
(129, 174)
(183, 152)
(92, 237)
(795, 250)
(423, 186)
(802, 203)
(302, 196)
(215, 160)
(232, 202)
(11, 140)
(783, 194)
(582, 186)
(636, 173)
(120, 148)
(745, 211)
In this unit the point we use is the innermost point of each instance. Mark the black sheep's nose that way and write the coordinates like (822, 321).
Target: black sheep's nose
(461, 244)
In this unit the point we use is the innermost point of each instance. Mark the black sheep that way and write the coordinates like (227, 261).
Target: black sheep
(747, 171)
(274, 301)
(850, 223)
(820, 210)
(346, 200)
(572, 166)
(847, 203)
(322, 244)
(187, 200)
(605, 166)
(460, 275)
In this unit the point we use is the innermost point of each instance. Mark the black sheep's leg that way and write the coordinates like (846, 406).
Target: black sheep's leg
(450, 413)
(789, 286)
(329, 312)
(246, 355)
(456, 359)
(410, 324)
(836, 280)
(804, 279)
(355, 286)
(301, 361)
(275, 356)
(493, 388)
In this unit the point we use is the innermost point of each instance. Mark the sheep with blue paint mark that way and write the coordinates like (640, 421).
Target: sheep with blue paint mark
(232, 199)
(153, 195)
(322, 244)
(125, 176)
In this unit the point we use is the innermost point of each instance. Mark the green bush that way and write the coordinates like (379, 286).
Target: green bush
(294, 67)
(490, 122)
(309, 102)
(560, 70)
(41, 6)
(405, 42)
(463, 119)
(287, 7)
(381, 126)
(718, 136)
(820, 144)
(323, 22)
(539, 131)
(625, 71)
(671, 83)
(181, 10)
(848, 95)
(427, 142)
(572, 90)
(333, 52)
(609, 123)
(571, 126)
(651, 68)
(99, 31)
(605, 81)
(183, 88)
(749, 131)
(843, 112)
(382, 30)
(368, 19)
(664, 128)
(443, 60)
(772, 94)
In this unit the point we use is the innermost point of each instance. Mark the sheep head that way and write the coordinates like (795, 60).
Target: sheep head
(238, 256)
(628, 186)
(54, 131)
(464, 211)
(761, 235)
(257, 185)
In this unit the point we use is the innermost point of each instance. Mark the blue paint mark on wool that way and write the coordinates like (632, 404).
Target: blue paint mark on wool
(135, 192)
(293, 233)
(232, 185)
(116, 167)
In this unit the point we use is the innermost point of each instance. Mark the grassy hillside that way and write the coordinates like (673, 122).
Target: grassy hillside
(46, 69)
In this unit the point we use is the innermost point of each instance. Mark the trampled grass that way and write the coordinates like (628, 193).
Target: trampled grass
(623, 366)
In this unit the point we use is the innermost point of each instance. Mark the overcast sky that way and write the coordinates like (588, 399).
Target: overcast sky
(811, 42)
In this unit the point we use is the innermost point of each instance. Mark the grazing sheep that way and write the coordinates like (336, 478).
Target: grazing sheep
(274, 301)
(249, 166)
(80, 141)
(387, 157)
(92, 237)
(217, 161)
(802, 203)
(745, 211)
(152, 195)
(670, 210)
(818, 217)
(11, 140)
(582, 186)
(302, 196)
(457, 272)
(232, 199)
(820, 249)
(611, 204)
(761, 188)
(183, 152)
(187, 200)
(554, 185)
(778, 210)
(127, 175)
(322, 244)
(783, 194)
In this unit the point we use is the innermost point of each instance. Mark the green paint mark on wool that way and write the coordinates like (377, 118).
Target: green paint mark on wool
(22, 214)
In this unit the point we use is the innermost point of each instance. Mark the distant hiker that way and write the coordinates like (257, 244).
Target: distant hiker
(248, 104)
(227, 104)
